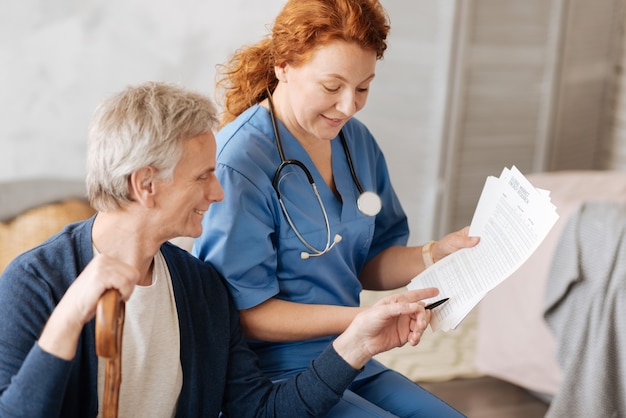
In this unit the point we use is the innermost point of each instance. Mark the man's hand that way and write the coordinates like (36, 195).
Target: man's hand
(78, 306)
(391, 322)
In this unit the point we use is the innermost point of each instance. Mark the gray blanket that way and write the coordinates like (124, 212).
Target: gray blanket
(586, 310)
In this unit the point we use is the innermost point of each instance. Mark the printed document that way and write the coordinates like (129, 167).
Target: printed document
(512, 218)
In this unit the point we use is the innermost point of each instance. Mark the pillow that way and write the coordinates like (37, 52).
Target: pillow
(34, 226)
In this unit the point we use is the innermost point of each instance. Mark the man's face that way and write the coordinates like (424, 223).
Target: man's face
(185, 199)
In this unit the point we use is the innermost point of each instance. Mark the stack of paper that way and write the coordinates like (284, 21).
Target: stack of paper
(512, 218)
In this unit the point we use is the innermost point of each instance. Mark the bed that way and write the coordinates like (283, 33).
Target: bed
(514, 342)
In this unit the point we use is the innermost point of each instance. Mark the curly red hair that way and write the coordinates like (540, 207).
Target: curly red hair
(300, 28)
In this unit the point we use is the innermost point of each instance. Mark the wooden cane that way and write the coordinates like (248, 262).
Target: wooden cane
(109, 328)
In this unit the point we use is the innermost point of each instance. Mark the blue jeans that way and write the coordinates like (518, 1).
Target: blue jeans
(390, 394)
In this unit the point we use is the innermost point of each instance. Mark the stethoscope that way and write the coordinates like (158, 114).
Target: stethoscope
(369, 203)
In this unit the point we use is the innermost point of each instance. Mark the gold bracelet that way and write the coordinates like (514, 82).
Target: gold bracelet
(427, 254)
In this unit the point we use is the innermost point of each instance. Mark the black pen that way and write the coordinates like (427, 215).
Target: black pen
(435, 304)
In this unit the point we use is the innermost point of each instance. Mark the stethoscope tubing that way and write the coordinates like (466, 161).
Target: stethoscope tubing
(285, 162)
(283, 165)
(275, 183)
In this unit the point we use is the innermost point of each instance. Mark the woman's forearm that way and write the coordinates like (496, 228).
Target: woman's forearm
(392, 268)
(396, 266)
(278, 320)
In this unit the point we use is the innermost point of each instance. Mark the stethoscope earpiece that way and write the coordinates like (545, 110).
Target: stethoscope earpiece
(305, 256)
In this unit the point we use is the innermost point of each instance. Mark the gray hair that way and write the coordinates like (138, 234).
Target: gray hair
(144, 125)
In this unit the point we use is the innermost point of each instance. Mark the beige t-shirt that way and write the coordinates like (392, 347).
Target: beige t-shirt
(152, 376)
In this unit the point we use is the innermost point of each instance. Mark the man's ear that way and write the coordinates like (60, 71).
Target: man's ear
(142, 186)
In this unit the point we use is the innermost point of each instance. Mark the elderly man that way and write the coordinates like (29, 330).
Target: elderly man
(150, 175)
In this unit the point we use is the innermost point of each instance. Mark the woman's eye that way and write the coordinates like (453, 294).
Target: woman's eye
(331, 89)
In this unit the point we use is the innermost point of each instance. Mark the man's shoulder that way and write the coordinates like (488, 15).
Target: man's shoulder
(195, 278)
(179, 258)
(57, 260)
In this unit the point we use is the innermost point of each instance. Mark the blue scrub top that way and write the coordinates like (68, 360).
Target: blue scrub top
(249, 241)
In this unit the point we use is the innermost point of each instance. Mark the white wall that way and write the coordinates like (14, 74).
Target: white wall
(59, 58)
(406, 107)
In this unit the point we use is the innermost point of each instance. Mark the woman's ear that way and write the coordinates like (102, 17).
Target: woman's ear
(281, 72)
(142, 186)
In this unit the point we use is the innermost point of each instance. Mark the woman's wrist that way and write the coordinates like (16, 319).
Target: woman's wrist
(427, 254)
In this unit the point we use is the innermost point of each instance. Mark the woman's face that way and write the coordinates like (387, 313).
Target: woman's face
(315, 99)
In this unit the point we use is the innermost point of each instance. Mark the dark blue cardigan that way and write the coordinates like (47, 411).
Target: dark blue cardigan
(219, 370)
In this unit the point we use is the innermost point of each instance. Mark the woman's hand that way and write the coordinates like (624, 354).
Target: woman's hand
(396, 266)
(451, 243)
(391, 322)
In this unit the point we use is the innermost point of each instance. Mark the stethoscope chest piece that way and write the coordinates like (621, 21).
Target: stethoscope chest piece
(369, 203)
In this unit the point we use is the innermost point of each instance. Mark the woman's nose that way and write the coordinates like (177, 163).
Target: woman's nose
(347, 103)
